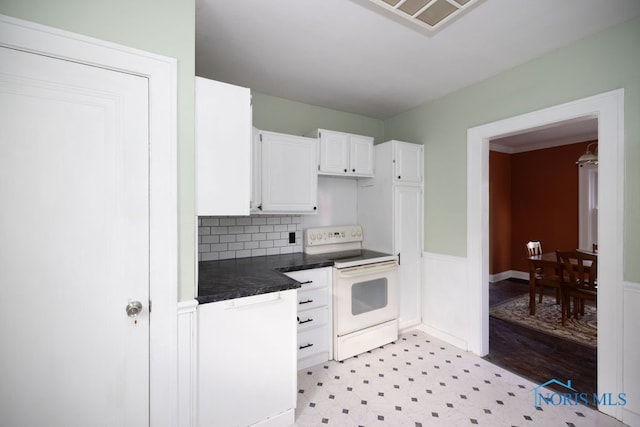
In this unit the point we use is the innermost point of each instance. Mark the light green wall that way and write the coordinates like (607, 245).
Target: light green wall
(165, 27)
(603, 62)
(282, 115)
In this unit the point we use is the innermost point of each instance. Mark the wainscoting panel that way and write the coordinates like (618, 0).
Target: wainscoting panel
(187, 362)
(631, 353)
(445, 298)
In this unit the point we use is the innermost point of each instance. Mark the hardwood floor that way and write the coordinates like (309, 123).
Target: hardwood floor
(535, 355)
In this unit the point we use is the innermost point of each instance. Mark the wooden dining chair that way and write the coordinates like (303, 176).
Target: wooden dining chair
(544, 278)
(580, 281)
(534, 247)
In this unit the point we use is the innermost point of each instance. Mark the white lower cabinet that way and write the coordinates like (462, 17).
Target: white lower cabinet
(247, 361)
(314, 316)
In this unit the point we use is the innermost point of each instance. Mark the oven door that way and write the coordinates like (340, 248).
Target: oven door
(364, 296)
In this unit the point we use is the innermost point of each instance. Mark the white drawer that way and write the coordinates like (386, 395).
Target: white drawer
(313, 278)
(312, 298)
(309, 319)
(313, 341)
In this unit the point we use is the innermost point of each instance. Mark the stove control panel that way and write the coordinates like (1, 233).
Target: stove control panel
(333, 235)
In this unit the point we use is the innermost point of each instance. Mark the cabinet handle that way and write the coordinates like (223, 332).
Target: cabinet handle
(307, 282)
(353, 170)
(305, 302)
(260, 205)
(398, 176)
(345, 170)
(305, 346)
(315, 208)
(300, 322)
(251, 301)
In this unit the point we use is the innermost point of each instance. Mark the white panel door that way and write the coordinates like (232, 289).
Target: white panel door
(408, 240)
(74, 244)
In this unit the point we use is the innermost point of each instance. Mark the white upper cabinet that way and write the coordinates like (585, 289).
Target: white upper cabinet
(408, 159)
(361, 155)
(223, 148)
(344, 154)
(287, 166)
(334, 153)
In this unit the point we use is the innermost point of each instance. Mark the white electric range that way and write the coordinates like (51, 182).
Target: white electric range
(365, 289)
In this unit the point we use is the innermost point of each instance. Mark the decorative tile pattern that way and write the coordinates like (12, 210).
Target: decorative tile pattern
(421, 381)
(228, 237)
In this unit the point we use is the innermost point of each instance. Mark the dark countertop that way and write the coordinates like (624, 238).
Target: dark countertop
(243, 277)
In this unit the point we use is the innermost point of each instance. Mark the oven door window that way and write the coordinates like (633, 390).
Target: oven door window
(369, 295)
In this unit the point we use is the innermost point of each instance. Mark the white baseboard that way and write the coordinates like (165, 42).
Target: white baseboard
(493, 278)
(444, 336)
(630, 418)
(285, 419)
(509, 274)
(520, 275)
(408, 328)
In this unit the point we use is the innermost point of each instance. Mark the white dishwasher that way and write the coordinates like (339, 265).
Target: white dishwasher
(247, 360)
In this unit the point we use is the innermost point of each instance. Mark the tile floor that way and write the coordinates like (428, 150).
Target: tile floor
(421, 381)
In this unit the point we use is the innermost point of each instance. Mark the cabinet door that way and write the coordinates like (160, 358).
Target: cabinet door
(361, 155)
(408, 243)
(289, 173)
(408, 161)
(256, 171)
(246, 359)
(334, 152)
(223, 148)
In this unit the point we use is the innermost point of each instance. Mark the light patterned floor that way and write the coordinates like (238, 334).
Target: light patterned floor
(421, 381)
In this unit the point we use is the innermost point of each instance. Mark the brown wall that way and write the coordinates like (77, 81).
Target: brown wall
(499, 212)
(541, 204)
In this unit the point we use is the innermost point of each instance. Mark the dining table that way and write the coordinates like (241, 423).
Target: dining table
(544, 261)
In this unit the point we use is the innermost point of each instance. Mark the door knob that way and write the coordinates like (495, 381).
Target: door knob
(134, 308)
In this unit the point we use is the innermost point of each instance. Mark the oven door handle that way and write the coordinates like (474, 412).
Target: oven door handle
(368, 269)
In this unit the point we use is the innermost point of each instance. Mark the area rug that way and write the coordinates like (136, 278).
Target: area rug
(547, 319)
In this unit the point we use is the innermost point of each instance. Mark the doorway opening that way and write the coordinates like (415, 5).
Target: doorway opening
(608, 108)
(533, 183)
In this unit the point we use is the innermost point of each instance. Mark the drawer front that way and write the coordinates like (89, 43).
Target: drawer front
(312, 298)
(314, 278)
(309, 319)
(313, 341)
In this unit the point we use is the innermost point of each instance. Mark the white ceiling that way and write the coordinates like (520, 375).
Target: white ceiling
(354, 56)
(581, 129)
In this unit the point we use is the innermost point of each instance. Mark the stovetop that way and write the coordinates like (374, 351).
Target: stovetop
(342, 245)
(352, 258)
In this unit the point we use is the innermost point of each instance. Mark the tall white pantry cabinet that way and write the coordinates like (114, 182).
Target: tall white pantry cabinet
(390, 210)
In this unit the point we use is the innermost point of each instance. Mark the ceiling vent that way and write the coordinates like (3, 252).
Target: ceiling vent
(430, 14)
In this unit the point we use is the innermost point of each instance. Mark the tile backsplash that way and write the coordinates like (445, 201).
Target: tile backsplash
(226, 237)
